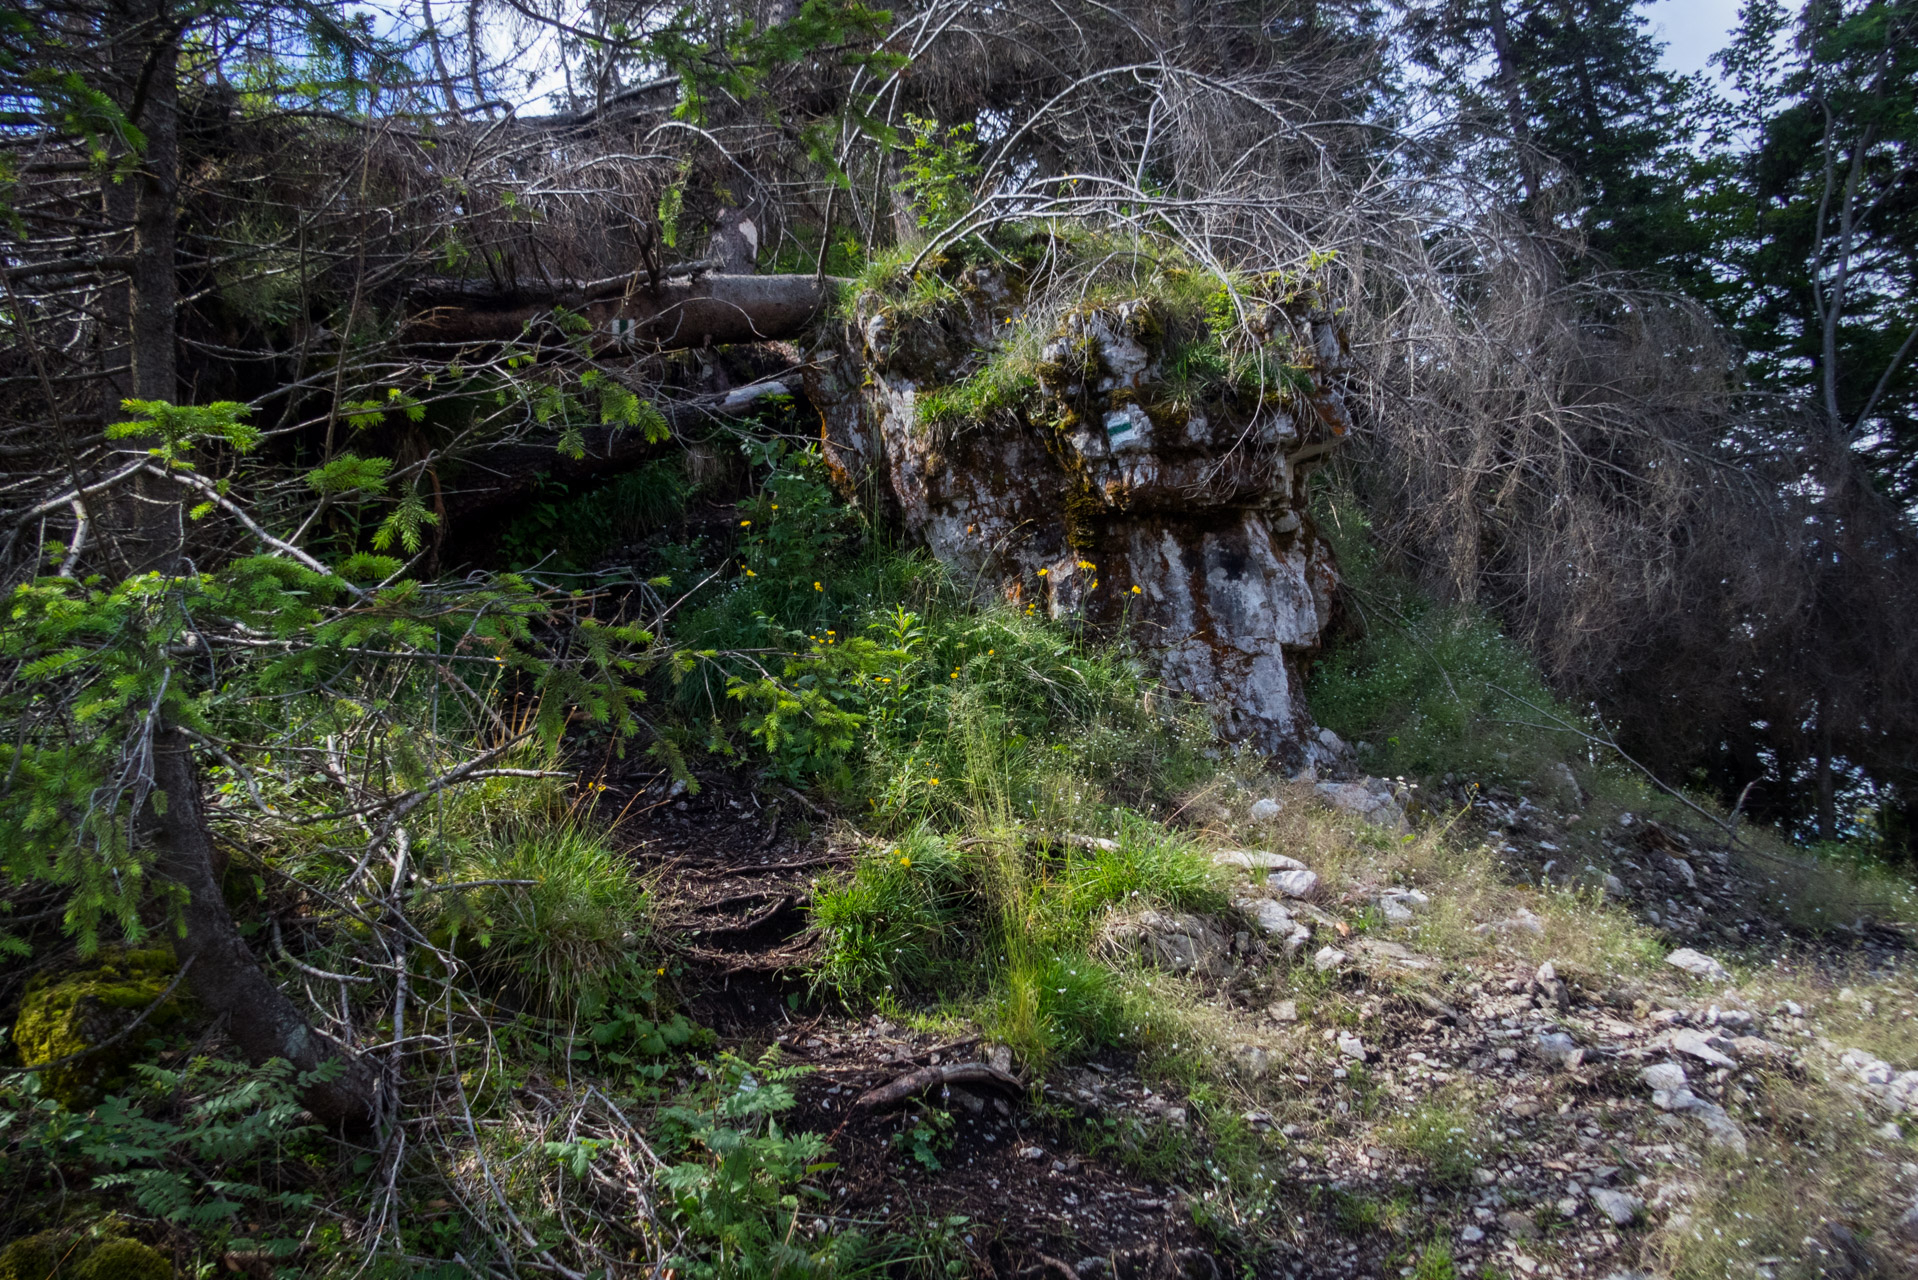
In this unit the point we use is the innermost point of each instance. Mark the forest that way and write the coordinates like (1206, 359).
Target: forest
(744, 638)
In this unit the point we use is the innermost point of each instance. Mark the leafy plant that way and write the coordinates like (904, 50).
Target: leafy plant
(191, 1170)
(740, 1184)
(939, 170)
(929, 1134)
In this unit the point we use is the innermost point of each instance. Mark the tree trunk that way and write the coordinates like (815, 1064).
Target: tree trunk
(1514, 104)
(225, 976)
(1827, 790)
(708, 309)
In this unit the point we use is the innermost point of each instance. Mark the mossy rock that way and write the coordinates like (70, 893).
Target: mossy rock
(124, 1259)
(62, 1255)
(63, 1013)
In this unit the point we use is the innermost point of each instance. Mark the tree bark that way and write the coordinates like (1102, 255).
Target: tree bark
(708, 309)
(225, 976)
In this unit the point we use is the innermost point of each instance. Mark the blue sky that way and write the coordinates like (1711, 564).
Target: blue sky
(1693, 30)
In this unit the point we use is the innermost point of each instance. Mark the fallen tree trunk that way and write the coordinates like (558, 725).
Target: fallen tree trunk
(625, 310)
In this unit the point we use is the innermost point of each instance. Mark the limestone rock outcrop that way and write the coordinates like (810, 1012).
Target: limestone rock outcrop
(1114, 486)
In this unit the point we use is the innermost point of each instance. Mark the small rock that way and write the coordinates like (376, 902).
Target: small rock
(1664, 1075)
(1351, 1046)
(1746, 1048)
(1520, 920)
(1558, 1049)
(1907, 1228)
(1472, 1235)
(1257, 860)
(1518, 1225)
(1698, 964)
(1395, 911)
(1265, 810)
(1295, 884)
(1614, 887)
(1328, 958)
(1616, 1205)
(1890, 1132)
(1697, 1045)
(1252, 1059)
(1285, 1011)
(1032, 1153)
(1720, 1129)
(1372, 800)
(1276, 922)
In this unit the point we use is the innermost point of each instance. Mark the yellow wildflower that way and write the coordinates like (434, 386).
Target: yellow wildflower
(1136, 590)
(817, 587)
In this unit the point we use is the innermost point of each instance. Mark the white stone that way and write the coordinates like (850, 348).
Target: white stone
(1265, 810)
(1295, 884)
(1472, 1235)
(1616, 1205)
(1376, 804)
(1328, 958)
(1285, 1011)
(1257, 860)
(1720, 1129)
(1697, 1045)
(1276, 922)
(1664, 1075)
(1351, 1046)
(1559, 1049)
(1698, 964)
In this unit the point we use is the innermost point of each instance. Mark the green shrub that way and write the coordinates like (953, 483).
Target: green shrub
(890, 925)
(565, 529)
(563, 939)
(1432, 689)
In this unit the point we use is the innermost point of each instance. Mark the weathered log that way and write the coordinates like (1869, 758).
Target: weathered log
(624, 311)
(898, 1090)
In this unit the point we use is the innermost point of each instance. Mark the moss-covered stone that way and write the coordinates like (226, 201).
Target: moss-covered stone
(66, 1255)
(63, 1013)
(124, 1259)
(34, 1257)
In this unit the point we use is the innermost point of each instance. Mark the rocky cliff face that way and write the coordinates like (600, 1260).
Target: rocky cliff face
(1106, 481)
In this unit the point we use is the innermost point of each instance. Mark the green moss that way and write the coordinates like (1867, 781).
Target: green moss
(62, 1255)
(124, 1260)
(33, 1257)
(64, 1013)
